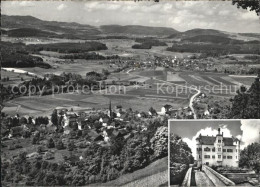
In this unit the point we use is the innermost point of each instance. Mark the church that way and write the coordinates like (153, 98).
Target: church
(217, 150)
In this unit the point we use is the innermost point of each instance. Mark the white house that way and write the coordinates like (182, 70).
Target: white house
(217, 150)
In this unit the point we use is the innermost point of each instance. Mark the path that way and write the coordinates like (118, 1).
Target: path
(191, 99)
(202, 179)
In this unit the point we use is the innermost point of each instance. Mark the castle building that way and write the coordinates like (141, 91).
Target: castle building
(217, 150)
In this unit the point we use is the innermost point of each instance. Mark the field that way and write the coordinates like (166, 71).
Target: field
(44, 105)
(14, 78)
(80, 67)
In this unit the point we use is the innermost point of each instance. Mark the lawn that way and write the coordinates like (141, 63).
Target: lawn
(154, 174)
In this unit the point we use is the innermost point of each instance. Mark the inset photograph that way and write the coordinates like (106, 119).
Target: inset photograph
(214, 152)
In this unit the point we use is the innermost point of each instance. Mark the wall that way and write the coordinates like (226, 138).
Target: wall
(216, 178)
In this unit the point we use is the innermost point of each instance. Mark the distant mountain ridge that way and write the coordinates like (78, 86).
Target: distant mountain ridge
(72, 30)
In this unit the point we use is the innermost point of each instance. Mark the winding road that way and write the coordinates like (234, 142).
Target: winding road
(191, 99)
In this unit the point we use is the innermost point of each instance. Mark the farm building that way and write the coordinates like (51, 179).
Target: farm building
(140, 80)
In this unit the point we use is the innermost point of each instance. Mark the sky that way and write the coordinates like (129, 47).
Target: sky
(247, 131)
(180, 15)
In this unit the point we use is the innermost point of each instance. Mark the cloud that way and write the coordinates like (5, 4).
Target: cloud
(251, 129)
(249, 15)
(23, 3)
(98, 6)
(61, 7)
(208, 131)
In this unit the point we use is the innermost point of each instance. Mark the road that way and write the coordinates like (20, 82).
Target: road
(202, 179)
(187, 87)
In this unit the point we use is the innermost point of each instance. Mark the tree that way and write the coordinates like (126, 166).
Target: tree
(71, 146)
(250, 157)
(252, 5)
(50, 143)
(54, 117)
(60, 145)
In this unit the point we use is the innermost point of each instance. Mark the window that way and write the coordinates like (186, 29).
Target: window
(219, 156)
(229, 150)
(213, 150)
(229, 157)
(206, 149)
(206, 156)
(199, 156)
(224, 150)
(213, 156)
(219, 149)
(236, 157)
(224, 157)
(236, 150)
(219, 141)
(199, 149)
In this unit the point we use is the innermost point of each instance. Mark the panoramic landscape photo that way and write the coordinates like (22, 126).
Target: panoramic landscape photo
(87, 88)
(214, 152)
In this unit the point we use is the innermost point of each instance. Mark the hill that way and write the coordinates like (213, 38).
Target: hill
(17, 22)
(197, 32)
(137, 30)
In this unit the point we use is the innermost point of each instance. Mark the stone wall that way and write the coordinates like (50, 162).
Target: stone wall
(216, 178)
(187, 178)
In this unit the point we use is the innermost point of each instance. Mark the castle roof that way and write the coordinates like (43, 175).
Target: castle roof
(210, 140)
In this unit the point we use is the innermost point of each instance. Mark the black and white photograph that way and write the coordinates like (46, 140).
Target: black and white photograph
(88, 87)
(214, 152)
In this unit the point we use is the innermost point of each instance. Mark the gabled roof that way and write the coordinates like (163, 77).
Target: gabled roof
(210, 140)
(206, 140)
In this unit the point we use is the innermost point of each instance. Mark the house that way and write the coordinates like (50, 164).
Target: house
(217, 150)
(94, 136)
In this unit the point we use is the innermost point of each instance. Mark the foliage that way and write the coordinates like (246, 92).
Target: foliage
(69, 47)
(50, 143)
(180, 158)
(250, 157)
(252, 5)
(246, 104)
(180, 152)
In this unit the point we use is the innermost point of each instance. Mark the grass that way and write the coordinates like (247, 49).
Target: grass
(14, 78)
(152, 175)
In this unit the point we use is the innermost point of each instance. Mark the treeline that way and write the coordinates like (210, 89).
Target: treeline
(147, 43)
(142, 46)
(69, 47)
(29, 32)
(89, 56)
(17, 55)
(215, 39)
(216, 48)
